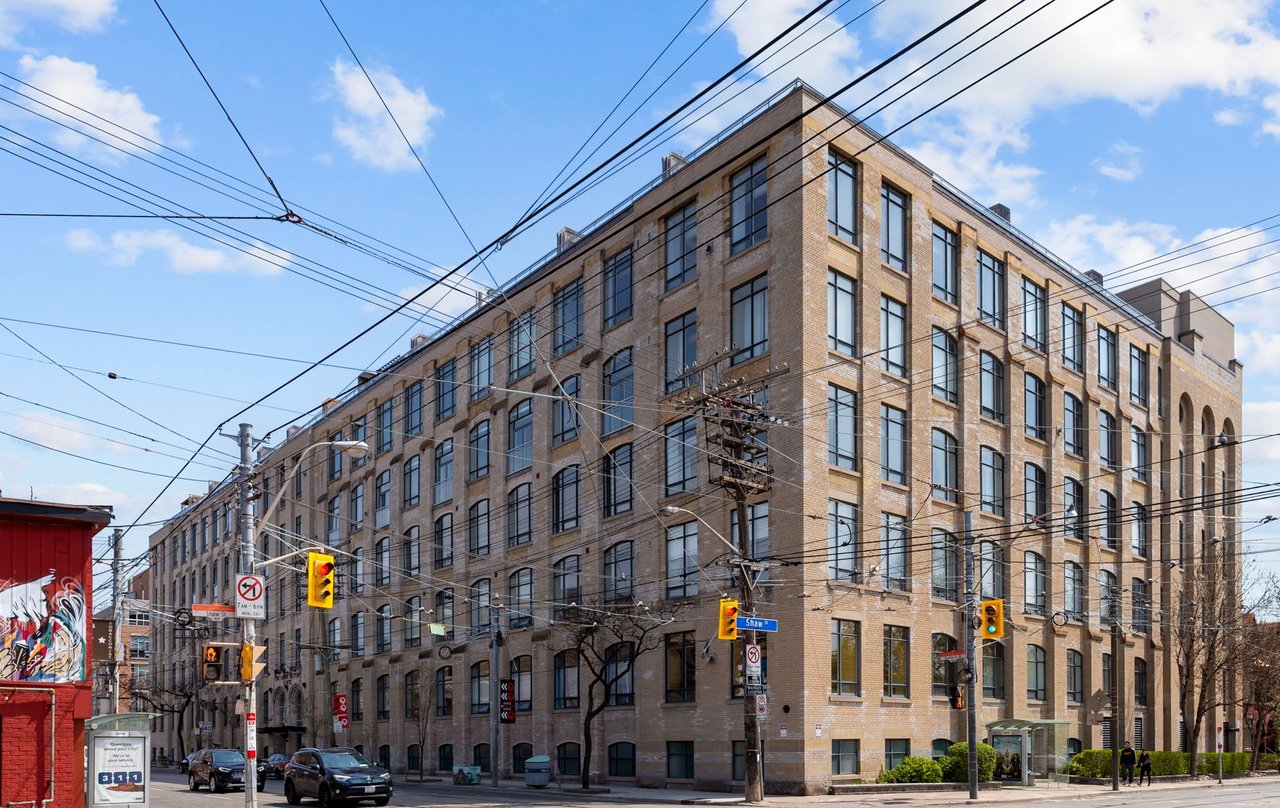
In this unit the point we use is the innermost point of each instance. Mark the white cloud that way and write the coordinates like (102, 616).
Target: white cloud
(78, 16)
(57, 432)
(127, 247)
(82, 494)
(1272, 104)
(1229, 117)
(367, 131)
(443, 302)
(1122, 162)
(1139, 54)
(77, 83)
(1261, 415)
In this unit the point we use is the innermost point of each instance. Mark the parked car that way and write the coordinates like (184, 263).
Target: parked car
(274, 765)
(219, 769)
(335, 775)
(185, 764)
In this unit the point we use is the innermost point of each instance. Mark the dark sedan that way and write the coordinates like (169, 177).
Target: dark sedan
(335, 775)
(274, 765)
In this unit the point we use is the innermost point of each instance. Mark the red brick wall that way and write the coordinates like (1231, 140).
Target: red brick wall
(29, 549)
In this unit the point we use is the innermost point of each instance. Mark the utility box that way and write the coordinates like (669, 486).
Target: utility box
(537, 771)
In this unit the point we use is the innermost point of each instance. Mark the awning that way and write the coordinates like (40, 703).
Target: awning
(1026, 724)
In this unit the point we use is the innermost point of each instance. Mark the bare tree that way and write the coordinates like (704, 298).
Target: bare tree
(608, 639)
(423, 706)
(1260, 668)
(174, 698)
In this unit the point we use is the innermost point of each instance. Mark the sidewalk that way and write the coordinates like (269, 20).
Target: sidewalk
(1043, 792)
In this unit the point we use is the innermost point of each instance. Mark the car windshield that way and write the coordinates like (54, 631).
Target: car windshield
(227, 757)
(345, 760)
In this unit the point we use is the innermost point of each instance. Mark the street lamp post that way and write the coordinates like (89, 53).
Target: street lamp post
(249, 627)
(753, 784)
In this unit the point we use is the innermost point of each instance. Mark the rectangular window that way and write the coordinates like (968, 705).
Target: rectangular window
(1036, 584)
(681, 246)
(842, 313)
(335, 471)
(682, 658)
(894, 573)
(842, 196)
(413, 409)
(1138, 373)
(842, 420)
(1035, 324)
(1141, 530)
(846, 657)
(1109, 440)
(681, 456)
(682, 351)
(619, 391)
(894, 234)
(897, 662)
(1073, 425)
(1036, 495)
(1073, 591)
(617, 288)
(1072, 338)
(385, 421)
(564, 412)
(520, 437)
(991, 384)
(994, 490)
(566, 315)
(893, 336)
(680, 760)
(481, 362)
(945, 576)
(945, 466)
(1036, 411)
(844, 757)
(520, 515)
(682, 560)
(893, 444)
(749, 206)
(842, 541)
(478, 528)
(946, 264)
(618, 491)
(946, 366)
(895, 750)
(522, 335)
(749, 315)
(446, 389)
(564, 500)
(1073, 502)
(993, 670)
(1141, 607)
(1107, 357)
(1108, 519)
(1037, 673)
(1075, 677)
(1139, 453)
(992, 295)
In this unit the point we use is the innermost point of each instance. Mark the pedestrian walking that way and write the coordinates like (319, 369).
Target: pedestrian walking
(1144, 767)
(1127, 758)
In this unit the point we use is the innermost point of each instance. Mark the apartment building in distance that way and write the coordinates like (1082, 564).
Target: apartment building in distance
(936, 359)
(134, 651)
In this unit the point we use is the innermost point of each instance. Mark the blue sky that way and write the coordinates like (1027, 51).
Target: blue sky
(1150, 126)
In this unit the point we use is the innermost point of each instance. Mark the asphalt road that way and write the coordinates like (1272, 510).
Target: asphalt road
(169, 790)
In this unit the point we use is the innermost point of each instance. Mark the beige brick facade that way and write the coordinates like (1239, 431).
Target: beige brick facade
(1191, 371)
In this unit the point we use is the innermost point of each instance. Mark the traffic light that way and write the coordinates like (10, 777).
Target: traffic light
(727, 628)
(956, 697)
(320, 575)
(211, 663)
(250, 667)
(991, 619)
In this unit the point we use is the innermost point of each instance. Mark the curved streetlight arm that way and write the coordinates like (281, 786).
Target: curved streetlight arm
(671, 510)
(356, 447)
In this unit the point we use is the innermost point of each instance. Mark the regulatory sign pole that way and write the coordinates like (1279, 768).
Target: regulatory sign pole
(970, 657)
(249, 626)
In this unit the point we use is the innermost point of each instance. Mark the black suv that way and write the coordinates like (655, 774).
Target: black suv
(335, 775)
(219, 769)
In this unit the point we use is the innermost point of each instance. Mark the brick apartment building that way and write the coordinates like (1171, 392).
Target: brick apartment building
(135, 648)
(936, 359)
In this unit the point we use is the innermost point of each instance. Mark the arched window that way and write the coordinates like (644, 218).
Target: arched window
(619, 392)
(444, 758)
(357, 699)
(618, 661)
(566, 582)
(384, 756)
(519, 754)
(479, 603)
(944, 670)
(945, 467)
(444, 611)
(622, 759)
(1075, 676)
(522, 675)
(480, 756)
(413, 758)
(993, 670)
(569, 759)
(444, 690)
(1035, 587)
(940, 745)
(564, 500)
(520, 598)
(619, 573)
(1074, 747)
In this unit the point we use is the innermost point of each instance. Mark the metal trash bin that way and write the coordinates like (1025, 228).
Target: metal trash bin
(537, 771)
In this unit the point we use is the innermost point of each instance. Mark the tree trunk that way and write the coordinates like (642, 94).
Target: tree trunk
(182, 739)
(586, 748)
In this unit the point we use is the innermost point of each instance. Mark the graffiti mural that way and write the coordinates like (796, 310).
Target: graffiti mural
(42, 630)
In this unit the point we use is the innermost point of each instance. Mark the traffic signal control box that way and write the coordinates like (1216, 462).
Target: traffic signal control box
(321, 572)
(727, 627)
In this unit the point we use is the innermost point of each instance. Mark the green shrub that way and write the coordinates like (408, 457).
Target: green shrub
(912, 770)
(1268, 761)
(1166, 764)
(1232, 763)
(955, 766)
(1092, 763)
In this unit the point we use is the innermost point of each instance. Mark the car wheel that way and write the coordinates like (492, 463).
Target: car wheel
(291, 794)
(217, 785)
(382, 801)
(191, 783)
(325, 800)
(262, 783)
